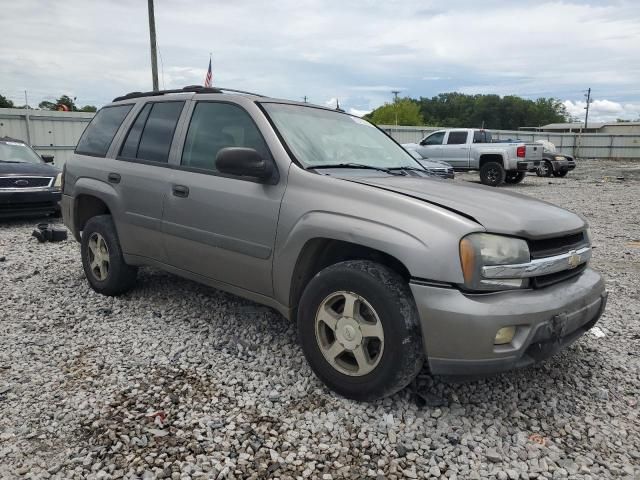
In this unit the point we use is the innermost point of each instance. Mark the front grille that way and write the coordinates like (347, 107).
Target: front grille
(17, 207)
(25, 182)
(556, 246)
(547, 280)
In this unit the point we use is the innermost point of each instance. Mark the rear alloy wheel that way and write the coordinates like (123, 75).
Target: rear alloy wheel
(545, 169)
(359, 329)
(102, 259)
(514, 177)
(492, 174)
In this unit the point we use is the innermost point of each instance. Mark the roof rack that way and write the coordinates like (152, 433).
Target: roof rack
(190, 88)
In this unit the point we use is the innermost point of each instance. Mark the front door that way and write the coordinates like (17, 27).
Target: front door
(455, 149)
(431, 146)
(215, 225)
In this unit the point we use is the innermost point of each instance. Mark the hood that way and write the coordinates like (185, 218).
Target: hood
(498, 211)
(434, 163)
(27, 169)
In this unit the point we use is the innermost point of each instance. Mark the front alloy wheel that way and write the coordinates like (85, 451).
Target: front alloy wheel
(359, 329)
(349, 333)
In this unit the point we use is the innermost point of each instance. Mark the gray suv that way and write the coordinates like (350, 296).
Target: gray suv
(325, 218)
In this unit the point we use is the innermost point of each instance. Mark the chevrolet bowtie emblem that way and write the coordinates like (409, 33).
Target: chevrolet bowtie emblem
(574, 259)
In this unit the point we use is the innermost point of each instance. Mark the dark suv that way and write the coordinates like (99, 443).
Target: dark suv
(28, 185)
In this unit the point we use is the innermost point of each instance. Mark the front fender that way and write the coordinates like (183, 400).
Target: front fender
(335, 226)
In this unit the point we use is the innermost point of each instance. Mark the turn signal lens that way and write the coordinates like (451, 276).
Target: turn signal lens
(58, 182)
(504, 335)
(467, 259)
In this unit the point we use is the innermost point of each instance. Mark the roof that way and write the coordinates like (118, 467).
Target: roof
(188, 89)
(9, 139)
(197, 90)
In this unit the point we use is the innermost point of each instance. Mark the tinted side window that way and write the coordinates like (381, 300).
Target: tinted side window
(130, 146)
(481, 136)
(215, 126)
(155, 141)
(457, 138)
(100, 132)
(434, 139)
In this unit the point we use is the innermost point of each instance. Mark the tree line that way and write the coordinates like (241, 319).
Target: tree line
(471, 111)
(64, 103)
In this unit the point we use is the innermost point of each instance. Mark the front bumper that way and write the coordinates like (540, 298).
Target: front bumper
(458, 329)
(29, 202)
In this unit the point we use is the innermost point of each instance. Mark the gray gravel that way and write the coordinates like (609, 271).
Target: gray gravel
(176, 380)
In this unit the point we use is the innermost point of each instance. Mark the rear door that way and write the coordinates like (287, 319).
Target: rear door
(455, 149)
(431, 146)
(220, 226)
(142, 177)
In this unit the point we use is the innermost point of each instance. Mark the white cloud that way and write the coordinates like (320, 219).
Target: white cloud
(358, 113)
(603, 110)
(331, 103)
(356, 51)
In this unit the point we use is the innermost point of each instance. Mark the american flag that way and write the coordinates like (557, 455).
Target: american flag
(209, 77)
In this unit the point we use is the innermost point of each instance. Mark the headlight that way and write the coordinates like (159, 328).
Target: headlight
(484, 249)
(58, 183)
(559, 157)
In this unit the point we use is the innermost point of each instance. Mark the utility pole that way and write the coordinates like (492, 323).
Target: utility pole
(305, 99)
(395, 103)
(586, 115)
(26, 118)
(152, 39)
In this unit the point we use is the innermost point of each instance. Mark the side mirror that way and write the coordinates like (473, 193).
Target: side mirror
(244, 162)
(423, 142)
(47, 158)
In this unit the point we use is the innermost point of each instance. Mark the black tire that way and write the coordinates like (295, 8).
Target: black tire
(492, 174)
(402, 356)
(515, 177)
(545, 169)
(560, 173)
(120, 277)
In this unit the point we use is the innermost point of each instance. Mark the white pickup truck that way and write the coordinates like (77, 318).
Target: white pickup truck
(472, 149)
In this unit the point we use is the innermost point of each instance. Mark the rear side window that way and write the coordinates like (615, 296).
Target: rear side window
(150, 136)
(215, 126)
(457, 138)
(99, 134)
(481, 136)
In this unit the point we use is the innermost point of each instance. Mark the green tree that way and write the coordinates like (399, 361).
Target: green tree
(88, 108)
(45, 105)
(5, 102)
(456, 109)
(68, 102)
(404, 111)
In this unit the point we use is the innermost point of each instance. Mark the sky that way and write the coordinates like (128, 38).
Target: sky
(356, 51)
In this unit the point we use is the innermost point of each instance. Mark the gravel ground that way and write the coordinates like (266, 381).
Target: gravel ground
(176, 380)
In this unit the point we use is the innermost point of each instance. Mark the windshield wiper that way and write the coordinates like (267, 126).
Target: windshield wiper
(359, 165)
(411, 169)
